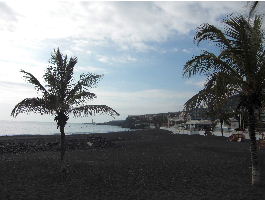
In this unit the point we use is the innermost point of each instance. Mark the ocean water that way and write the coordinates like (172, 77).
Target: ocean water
(50, 128)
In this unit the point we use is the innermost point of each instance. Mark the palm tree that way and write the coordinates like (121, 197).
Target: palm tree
(221, 114)
(239, 66)
(253, 7)
(217, 104)
(62, 95)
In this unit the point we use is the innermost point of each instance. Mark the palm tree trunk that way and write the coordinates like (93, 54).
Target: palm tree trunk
(239, 120)
(62, 143)
(63, 166)
(61, 119)
(222, 130)
(253, 147)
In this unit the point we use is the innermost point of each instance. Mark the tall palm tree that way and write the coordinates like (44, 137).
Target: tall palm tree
(253, 7)
(239, 66)
(62, 95)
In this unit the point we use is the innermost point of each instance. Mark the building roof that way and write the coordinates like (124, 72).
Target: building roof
(203, 122)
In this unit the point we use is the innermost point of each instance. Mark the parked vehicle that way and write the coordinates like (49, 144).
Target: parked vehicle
(237, 137)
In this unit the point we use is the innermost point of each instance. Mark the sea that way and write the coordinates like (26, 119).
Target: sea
(9, 128)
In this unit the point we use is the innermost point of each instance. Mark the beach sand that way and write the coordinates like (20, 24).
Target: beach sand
(147, 164)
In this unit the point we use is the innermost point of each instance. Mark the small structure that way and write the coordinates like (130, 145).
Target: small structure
(176, 119)
(198, 125)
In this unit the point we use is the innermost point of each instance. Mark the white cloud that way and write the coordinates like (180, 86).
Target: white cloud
(103, 59)
(68, 52)
(127, 24)
(186, 50)
(30, 29)
(141, 95)
(8, 18)
(124, 59)
(13, 92)
(93, 69)
(117, 59)
(126, 103)
(195, 83)
(144, 101)
(10, 71)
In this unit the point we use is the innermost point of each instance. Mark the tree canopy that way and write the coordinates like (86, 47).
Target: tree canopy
(61, 93)
(237, 70)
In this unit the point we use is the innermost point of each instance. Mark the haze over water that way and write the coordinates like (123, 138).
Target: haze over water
(49, 128)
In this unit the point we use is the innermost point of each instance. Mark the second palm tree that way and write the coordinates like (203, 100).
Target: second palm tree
(62, 96)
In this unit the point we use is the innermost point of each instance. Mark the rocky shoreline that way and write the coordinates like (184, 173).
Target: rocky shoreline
(18, 144)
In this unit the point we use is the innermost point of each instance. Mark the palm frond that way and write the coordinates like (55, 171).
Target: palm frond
(35, 105)
(58, 60)
(233, 27)
(59, 74)
(253, 6)
(80, 97)
(89, 110)
(64, 67)
(70, 70)
(196, 101)
(86, 81)
(34, 81)
(261, 69)
(212, 33)
(232, 63)
(216, 90)
(52, 80)
(89, 80)
(203, 64)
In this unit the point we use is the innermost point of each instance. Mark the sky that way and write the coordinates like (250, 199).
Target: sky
(140, 47)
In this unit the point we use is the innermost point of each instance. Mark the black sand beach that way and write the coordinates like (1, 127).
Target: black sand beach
(150, 164)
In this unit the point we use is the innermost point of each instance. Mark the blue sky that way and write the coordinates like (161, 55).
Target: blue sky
(140, 47)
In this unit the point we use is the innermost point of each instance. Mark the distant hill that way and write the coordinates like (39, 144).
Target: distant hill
(142, 121)
(113, 123)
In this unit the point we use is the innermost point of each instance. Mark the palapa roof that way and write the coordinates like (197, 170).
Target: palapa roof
(202, 122)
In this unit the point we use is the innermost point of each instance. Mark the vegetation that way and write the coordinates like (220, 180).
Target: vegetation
(253, 7)
(159, 120)
(237, 69)
(218, 111)
(217, 105)
(62, 96)
(113, 123)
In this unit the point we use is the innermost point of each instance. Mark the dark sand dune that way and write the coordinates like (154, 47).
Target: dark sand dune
(151, 164)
